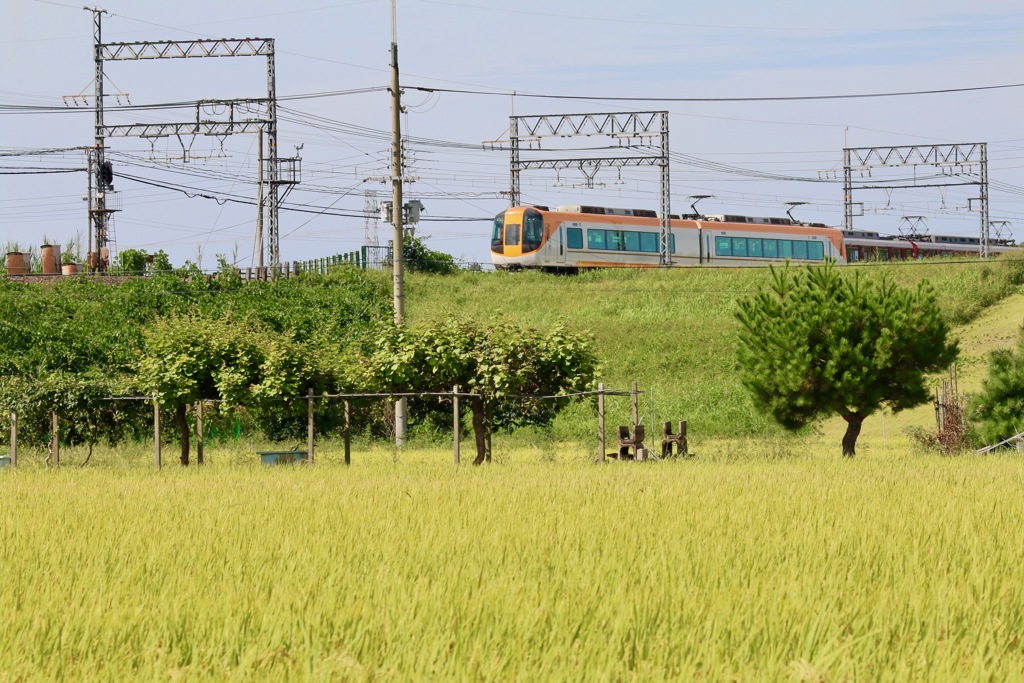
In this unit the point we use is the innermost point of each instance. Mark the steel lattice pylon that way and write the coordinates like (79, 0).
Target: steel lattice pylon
(626, 127)
(955, 158)
(245, 115)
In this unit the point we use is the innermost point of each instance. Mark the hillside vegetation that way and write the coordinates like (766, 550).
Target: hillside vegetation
(674, 331)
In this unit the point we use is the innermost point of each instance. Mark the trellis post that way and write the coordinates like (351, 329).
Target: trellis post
(348, 434)
(199, 432)
(456, 421)
(309, 424)
(600, 421)
(156, 433)
(635, 397)
(55, 438)
(14, 439)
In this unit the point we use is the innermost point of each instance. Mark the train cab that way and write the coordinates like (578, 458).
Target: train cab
(516, 233)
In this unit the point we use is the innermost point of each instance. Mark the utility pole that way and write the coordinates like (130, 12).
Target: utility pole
(397, 258)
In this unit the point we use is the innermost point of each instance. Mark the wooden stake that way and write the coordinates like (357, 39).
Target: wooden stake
(635, 396)
(14, 439)
(55, 439)
(199, 432)
(156, 433)
(348, 434)
(309, 425)
(600, 421)
(456, 421)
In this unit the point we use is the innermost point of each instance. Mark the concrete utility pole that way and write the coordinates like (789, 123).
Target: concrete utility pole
(397, 259)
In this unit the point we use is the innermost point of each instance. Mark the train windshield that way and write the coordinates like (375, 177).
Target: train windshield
(497, 234)
(533, 230)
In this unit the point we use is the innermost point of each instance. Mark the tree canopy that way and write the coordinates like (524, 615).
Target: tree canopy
(497, 361)
(815, 342)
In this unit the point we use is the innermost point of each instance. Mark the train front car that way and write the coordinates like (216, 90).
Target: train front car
(519, 239)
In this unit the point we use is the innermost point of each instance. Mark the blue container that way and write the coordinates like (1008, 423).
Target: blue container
(5, 461)
(283, 457)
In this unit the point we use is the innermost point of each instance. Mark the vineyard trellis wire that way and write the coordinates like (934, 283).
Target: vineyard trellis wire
(455, 394)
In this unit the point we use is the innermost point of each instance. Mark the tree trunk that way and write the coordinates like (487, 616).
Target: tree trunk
(480, 432)
(179, 419)
(853, 424)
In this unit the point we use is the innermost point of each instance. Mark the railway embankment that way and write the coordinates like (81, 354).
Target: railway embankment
(674, 331)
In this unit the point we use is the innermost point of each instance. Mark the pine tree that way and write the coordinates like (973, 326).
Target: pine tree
(816, 342)
(999, 408)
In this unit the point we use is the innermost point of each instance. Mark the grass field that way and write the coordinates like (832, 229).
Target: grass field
(745, 564)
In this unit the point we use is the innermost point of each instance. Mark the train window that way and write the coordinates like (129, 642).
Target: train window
(512, 235)
(672, 243)
(533, 230)
(854, 253)
(632, 241)
(800, 250)
(785, 249)
(614, 240)
(595, 239)
(723, 246)
(574, 238)
(497, 243)
(739, 246)
(754, 247)
(770, 248)
(649, 242)
(816, 251)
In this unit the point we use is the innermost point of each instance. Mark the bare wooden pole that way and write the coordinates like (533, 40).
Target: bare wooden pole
(348, 434)
(156, 434)
(55, 439)
(309, 424)
(635, 397)
(456, 421)
(14, 439)
(600, 421)
(199, 432)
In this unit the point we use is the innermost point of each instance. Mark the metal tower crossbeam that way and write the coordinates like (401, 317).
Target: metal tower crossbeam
(909, 155)
(180, 49)
(632, 124)
(161, 130)
(599, 162)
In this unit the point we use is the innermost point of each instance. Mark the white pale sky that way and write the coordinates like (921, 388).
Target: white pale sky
(583, 50)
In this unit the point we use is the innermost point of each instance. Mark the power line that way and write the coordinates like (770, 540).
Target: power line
(773, 98)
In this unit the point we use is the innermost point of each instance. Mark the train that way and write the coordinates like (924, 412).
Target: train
(570, 238)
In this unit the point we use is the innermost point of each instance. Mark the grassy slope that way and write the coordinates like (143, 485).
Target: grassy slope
(674, 331)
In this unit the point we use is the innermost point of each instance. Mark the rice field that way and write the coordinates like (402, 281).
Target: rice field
(775, 561)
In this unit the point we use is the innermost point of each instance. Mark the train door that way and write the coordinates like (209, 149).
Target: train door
(513, 236)
(560, 247)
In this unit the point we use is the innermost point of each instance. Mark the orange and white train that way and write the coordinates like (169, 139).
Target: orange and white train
(576, 237)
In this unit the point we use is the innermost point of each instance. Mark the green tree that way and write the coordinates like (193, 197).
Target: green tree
(999, 408)
(497, 362)
(190, 358)
(815, 342)
(133, 261)
(422, 259)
